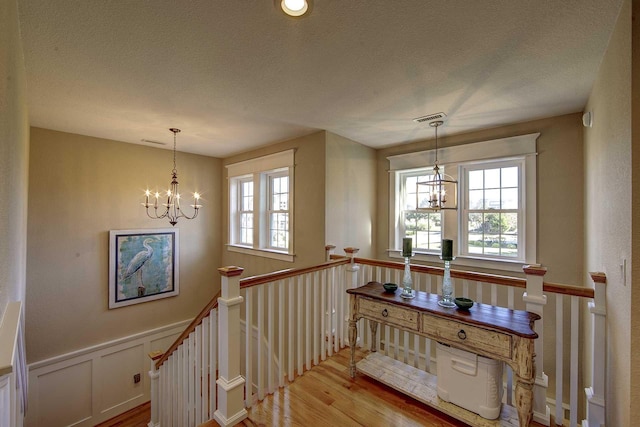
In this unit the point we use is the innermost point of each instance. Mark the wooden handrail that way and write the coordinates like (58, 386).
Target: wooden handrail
(261, 279)
(576, 291)
(192, 327)
(555, 288)
(459, 274)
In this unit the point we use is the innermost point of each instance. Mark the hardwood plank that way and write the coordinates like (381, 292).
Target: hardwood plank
(136, 417)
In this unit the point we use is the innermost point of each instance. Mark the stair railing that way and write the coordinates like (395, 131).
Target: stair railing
(284, 323)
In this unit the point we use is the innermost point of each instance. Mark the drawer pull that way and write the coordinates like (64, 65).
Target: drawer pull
(462, 334)
(385, 313)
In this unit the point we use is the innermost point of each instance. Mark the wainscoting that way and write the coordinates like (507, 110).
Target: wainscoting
(89, 386)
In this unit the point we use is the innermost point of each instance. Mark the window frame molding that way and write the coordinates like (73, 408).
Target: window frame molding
(521, 146)
(260, 168)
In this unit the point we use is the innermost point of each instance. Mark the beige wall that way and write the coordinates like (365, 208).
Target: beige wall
(14, 159)
(559, 187)
(350, 198)
(608, 218)
(635, 212)
(82, 187)
(309, 209)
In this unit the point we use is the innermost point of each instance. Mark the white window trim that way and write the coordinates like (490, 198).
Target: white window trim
(516, 146)
(259, 168)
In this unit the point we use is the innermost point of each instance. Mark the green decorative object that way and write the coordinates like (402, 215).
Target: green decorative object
(463, 303)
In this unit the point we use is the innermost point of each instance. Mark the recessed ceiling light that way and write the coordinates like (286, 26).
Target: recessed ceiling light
(294, 7)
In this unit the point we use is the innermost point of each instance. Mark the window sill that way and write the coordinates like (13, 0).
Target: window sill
(265, 253)
(511, 266)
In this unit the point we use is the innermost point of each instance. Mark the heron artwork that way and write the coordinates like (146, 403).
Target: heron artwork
(137, 262)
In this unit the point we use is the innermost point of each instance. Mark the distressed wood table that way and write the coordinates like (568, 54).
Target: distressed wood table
(495, 332)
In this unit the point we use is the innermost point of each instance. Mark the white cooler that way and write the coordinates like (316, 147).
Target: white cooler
(468, 380)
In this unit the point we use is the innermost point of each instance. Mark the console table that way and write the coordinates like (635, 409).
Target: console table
(495, 332)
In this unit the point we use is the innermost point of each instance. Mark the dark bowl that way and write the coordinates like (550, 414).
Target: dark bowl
(390, 287)
(463, 303)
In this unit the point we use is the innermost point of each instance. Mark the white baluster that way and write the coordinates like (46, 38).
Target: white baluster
(248, 339)
(575, 333)
(204, 374)
(281, 365)
(299, 324)
(270, 337)
(559, 321)
(324, 313)
(213, 362)
(198, 376)
(307, 321)
(292, 328)
(259, 344)
(316, 335)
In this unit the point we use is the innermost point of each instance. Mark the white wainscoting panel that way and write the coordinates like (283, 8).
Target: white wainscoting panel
(89, 386)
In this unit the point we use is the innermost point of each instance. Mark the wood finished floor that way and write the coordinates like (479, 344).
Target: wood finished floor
(326, 396)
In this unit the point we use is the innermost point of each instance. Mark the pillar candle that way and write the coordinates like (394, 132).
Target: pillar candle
(406, 247)
(447, 249)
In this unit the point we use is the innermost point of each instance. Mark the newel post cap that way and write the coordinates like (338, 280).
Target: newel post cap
(230, 271)
(534, 269)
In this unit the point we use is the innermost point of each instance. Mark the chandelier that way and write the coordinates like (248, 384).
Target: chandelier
(438, 191)
(170, 209)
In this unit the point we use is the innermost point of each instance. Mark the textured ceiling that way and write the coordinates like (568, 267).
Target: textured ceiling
(236, 74)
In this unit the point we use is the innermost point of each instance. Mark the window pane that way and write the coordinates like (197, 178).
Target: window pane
(246, 196)
(476, 199)
(492, 178)
(510, 177)
(279, 230)
(246, 228)
(476, 180)
(425, 228)
(492, 199)
(510, 198)
(492, 223)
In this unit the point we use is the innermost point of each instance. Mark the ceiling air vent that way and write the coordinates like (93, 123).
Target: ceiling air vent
(430, 118)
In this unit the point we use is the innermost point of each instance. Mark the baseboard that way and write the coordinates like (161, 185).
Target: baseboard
(91, 385)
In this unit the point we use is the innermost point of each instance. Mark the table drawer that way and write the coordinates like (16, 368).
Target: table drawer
(389, 314)
(471, 337)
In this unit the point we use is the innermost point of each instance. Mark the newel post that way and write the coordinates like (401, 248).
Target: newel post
(352, 268)
(595, 393)
(230, 383)
(328, 251)
(535, 299)
(154, 375)
(351, 281)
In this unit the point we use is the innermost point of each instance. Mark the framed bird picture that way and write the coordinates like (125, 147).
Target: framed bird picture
(143, 265)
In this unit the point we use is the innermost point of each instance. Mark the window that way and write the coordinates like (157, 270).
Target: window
(495, 224)
(279, 211)
(260, 200)
(245, 211)
(492, 210)
(424, 227)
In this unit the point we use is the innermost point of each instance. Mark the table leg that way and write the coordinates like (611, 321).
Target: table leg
(353, 333)
(524, 400)
(374, 328)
